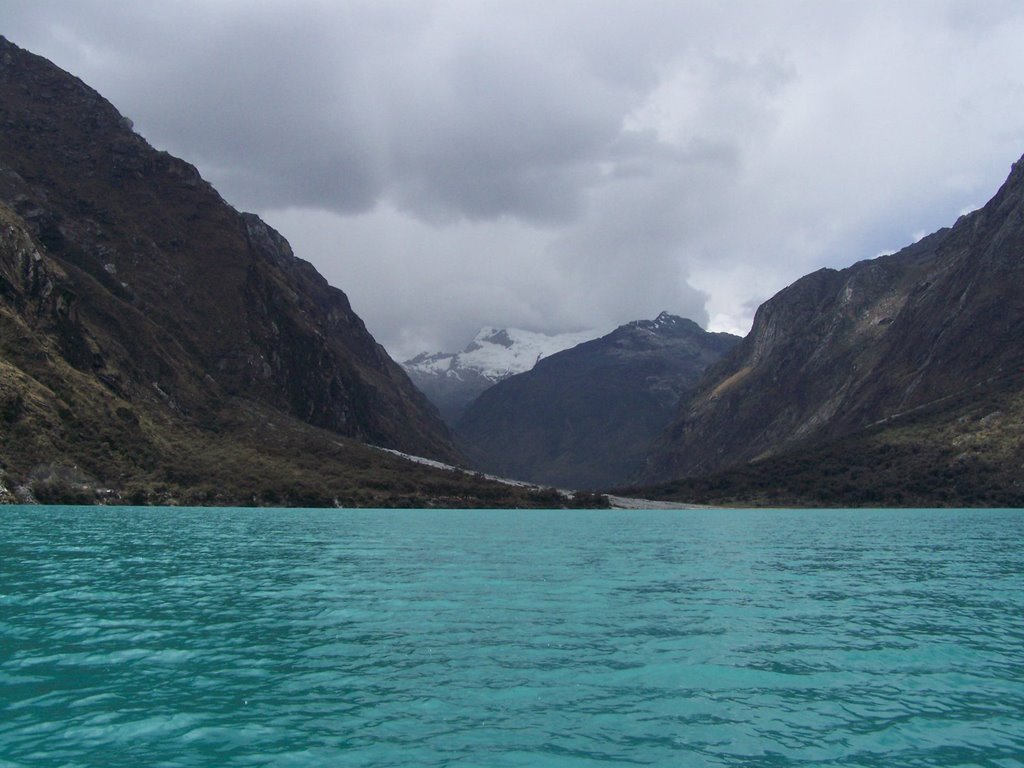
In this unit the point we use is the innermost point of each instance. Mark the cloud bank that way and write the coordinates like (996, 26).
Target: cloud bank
(566, 165)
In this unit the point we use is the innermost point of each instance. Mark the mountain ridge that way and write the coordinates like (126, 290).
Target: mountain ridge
(152, 240)
(841, 351)
(585, 416)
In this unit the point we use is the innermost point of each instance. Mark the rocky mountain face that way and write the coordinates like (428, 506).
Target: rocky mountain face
(452, 380)
(585, 417)
(132, 296)
(936, 331)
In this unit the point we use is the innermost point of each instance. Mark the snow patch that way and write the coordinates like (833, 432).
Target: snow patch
(497, 353)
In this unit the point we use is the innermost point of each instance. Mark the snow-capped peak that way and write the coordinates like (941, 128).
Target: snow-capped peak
(497, 353)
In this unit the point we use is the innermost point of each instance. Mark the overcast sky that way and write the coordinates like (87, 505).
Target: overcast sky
(560, 165)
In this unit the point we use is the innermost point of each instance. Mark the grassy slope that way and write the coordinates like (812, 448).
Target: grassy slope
(109, 452)
(966, 451)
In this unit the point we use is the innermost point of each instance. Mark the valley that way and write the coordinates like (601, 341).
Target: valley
(157, 346)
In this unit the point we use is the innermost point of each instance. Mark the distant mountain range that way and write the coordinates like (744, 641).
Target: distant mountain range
(585, 417)
(452, 380)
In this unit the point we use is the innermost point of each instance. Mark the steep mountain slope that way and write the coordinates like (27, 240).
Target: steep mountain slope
(159, 344)
(68, 436)
(930, 327)
(584, 417)
(174, 288)
(965, 451)
(451, 381)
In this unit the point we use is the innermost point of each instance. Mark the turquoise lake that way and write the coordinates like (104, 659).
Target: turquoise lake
(212, 637)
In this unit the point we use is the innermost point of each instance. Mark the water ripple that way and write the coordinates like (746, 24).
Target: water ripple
(302, 638)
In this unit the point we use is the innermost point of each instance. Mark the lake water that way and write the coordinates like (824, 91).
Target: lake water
(176, 637)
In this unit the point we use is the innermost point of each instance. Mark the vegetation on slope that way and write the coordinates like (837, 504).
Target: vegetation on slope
(965, 451)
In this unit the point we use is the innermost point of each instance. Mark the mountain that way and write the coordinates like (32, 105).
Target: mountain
(585, 417)
(452, 380)
(156, 343)
(906, 354)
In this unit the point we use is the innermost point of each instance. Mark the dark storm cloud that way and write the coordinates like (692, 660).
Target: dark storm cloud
(452, 109)
(335, 106)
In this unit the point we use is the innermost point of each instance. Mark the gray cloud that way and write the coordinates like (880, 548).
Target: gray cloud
(564, 165)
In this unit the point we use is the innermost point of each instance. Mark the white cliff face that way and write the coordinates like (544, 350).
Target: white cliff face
(453, 380)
